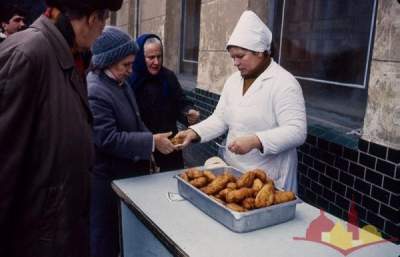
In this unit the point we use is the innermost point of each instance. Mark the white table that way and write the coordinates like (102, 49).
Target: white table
(153, 225)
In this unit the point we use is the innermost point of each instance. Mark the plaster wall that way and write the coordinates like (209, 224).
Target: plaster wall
(382, 119)
(217, 20)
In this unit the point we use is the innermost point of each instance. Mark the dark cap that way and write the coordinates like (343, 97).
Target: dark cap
(7, 11)
(85, 5)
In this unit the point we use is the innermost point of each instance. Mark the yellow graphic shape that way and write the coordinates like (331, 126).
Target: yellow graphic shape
(370, 234)
(340, 237)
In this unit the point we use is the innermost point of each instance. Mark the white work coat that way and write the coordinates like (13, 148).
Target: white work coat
(273, 109)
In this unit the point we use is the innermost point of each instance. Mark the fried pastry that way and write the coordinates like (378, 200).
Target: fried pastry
(209, 175)
(257, 185)
(184, 176)
(236, 196)
(246, 180)
(235, 207)
(249, 203)
(177, 140)
(230, 176)
(260, 174)
(282, 197)
(217, 199)
(231, 185)
(194, 173)
(265, 196)
(199, 182)
(222, 194)
(216, 185)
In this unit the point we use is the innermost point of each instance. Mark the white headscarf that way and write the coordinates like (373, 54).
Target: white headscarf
(251, 33)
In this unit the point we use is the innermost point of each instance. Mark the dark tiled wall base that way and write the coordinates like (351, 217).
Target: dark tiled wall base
(331, 176)
(205, 102)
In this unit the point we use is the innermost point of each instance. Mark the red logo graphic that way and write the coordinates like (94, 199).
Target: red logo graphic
(343, 238)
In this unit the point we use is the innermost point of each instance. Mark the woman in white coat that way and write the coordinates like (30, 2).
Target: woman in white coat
(261, 106)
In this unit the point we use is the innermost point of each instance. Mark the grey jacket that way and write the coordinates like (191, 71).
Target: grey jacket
(123, 143)
(45, 146)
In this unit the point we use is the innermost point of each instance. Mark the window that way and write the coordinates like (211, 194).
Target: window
(133, 27)
(327, 46)
(113, 18)
(190, 29)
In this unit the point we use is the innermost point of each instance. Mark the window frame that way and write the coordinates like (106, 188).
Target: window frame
(182, 59)
(368, 53)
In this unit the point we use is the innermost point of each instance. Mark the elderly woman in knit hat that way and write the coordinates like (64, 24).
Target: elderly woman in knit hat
(123, 144)
(261, 106)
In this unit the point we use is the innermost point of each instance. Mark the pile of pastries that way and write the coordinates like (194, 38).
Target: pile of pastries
(252, 190)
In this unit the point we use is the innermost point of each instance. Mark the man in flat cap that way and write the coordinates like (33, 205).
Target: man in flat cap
(261, 106)
(45, 131)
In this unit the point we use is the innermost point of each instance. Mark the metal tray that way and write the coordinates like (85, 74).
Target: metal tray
(236, 221)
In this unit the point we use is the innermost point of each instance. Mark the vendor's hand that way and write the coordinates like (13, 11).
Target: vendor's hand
(162, 143)
(244, 144)
(185, 136)
(192, 116)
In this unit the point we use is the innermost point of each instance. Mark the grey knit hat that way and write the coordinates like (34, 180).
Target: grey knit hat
(112, 46)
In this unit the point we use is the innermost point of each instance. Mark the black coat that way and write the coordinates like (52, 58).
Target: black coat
(161, 112)
(45, 147)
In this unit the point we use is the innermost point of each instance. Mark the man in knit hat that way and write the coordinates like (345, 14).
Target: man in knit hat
(261, 105)
(46, 148)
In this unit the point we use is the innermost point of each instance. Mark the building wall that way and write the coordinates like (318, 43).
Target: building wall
(152, 17)
(122, 18)
(217, 20)
(382, 119)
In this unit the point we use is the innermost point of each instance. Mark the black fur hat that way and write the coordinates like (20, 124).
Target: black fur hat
(85, 5)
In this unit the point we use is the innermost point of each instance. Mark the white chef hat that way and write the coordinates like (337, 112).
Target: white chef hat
(251, 33)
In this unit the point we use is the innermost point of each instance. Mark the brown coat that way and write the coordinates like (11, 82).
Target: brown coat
(45, 146)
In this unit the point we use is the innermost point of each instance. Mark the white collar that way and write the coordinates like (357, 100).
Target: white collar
(269, 71)
(111, 76)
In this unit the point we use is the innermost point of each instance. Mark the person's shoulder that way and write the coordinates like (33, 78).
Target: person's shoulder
(27, 47)
(31, 43)
(232, 79)
(281, 72)
(95, 85)
(284, 77)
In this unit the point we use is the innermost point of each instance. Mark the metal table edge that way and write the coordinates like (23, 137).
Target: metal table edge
(172, 247)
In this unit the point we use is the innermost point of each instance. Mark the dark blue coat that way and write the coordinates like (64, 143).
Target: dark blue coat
(123, 148)
(123, 143)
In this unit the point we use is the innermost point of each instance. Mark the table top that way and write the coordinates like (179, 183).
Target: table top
(190, 232)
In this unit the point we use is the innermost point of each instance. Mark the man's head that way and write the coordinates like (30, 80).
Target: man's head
(153, 55)
(13, 19)
(87, 17)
